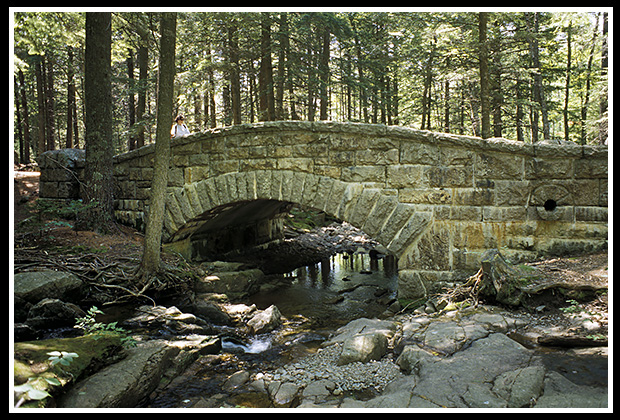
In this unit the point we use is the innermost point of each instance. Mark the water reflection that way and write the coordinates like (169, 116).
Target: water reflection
(332, 271)
(344, 287)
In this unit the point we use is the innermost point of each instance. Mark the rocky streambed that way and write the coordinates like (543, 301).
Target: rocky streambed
(477, 357)
(259, 350)
(457, 359)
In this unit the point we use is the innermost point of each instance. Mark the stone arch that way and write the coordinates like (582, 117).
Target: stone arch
(376, 211)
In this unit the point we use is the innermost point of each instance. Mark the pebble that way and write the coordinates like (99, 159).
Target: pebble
(323, 365)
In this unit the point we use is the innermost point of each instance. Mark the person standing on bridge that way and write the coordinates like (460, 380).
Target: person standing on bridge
(179, 129)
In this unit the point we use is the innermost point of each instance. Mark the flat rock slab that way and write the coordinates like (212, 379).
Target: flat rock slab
(123, 384)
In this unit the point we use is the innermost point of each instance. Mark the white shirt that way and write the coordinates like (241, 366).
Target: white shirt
(179, 130)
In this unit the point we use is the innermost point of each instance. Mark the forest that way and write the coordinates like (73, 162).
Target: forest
(526, 76)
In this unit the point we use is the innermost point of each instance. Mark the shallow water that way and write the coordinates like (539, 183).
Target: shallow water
(341, 288)
(315, 300)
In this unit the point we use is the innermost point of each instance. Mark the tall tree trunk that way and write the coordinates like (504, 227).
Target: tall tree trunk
(165, 92)
(50, 118)
(586, 102)
(197, 109)
(69, 143)
(283, 35)
(483, 18)
(143, 69)
(324, 75)
(38, 71)
(226, 104)
(97, 191)
(251, 90)
(131, 141)
(360, 72)
(18, 114)
(519, 113)
(209, 103)
(290, 62)
(603, 125)
(235, 86)
(567, 84)
(266, 108)
(395, 114)
(537, 87)
(25, 119)
(311, 94)
(497, 96)
(426, 94)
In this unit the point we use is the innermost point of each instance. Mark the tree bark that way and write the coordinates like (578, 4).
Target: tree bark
(537, 87)
(143, 65)
(24, 108)
(38, 71)
(50, 118)
(603, 105)
(266, 109)
(235, 86)
(69, 142)
(98, 187)
(152, 239)
(484, 75)
(567, 84)
(18, 114)
(324, 75)
(283, 35)
(426, 95)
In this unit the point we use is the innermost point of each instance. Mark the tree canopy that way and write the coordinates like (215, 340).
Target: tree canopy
(532, 75)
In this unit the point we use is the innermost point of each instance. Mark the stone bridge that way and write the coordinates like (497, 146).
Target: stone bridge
(436, 201)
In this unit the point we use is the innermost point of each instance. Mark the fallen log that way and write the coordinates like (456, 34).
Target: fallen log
(558, 340)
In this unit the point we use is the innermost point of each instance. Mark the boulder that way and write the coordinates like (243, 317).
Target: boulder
(34, 286)
(154, 317)
(285, 394)
(211, 312)
(446, 381)
(236, 380)
(125, 384)
(265, 321)
(31, 360)
(321, 389)
(363, 348)
(449, 337)
(363, 326)
(53, 313)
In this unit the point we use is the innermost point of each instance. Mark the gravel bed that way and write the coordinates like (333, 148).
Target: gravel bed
(375, 374)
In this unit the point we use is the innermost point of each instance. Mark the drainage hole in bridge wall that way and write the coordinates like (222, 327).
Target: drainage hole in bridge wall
(550, 205)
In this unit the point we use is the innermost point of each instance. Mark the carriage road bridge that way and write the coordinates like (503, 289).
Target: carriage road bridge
(436, 201)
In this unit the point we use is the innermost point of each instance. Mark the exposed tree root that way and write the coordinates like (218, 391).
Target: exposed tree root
(114, 282)
(468, 291)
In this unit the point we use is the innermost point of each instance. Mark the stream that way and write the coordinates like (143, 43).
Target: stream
(314, 300)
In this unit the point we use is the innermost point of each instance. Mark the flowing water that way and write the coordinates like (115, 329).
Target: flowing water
(315, 300)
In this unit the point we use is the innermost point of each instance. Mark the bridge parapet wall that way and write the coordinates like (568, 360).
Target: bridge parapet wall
(436, 200)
